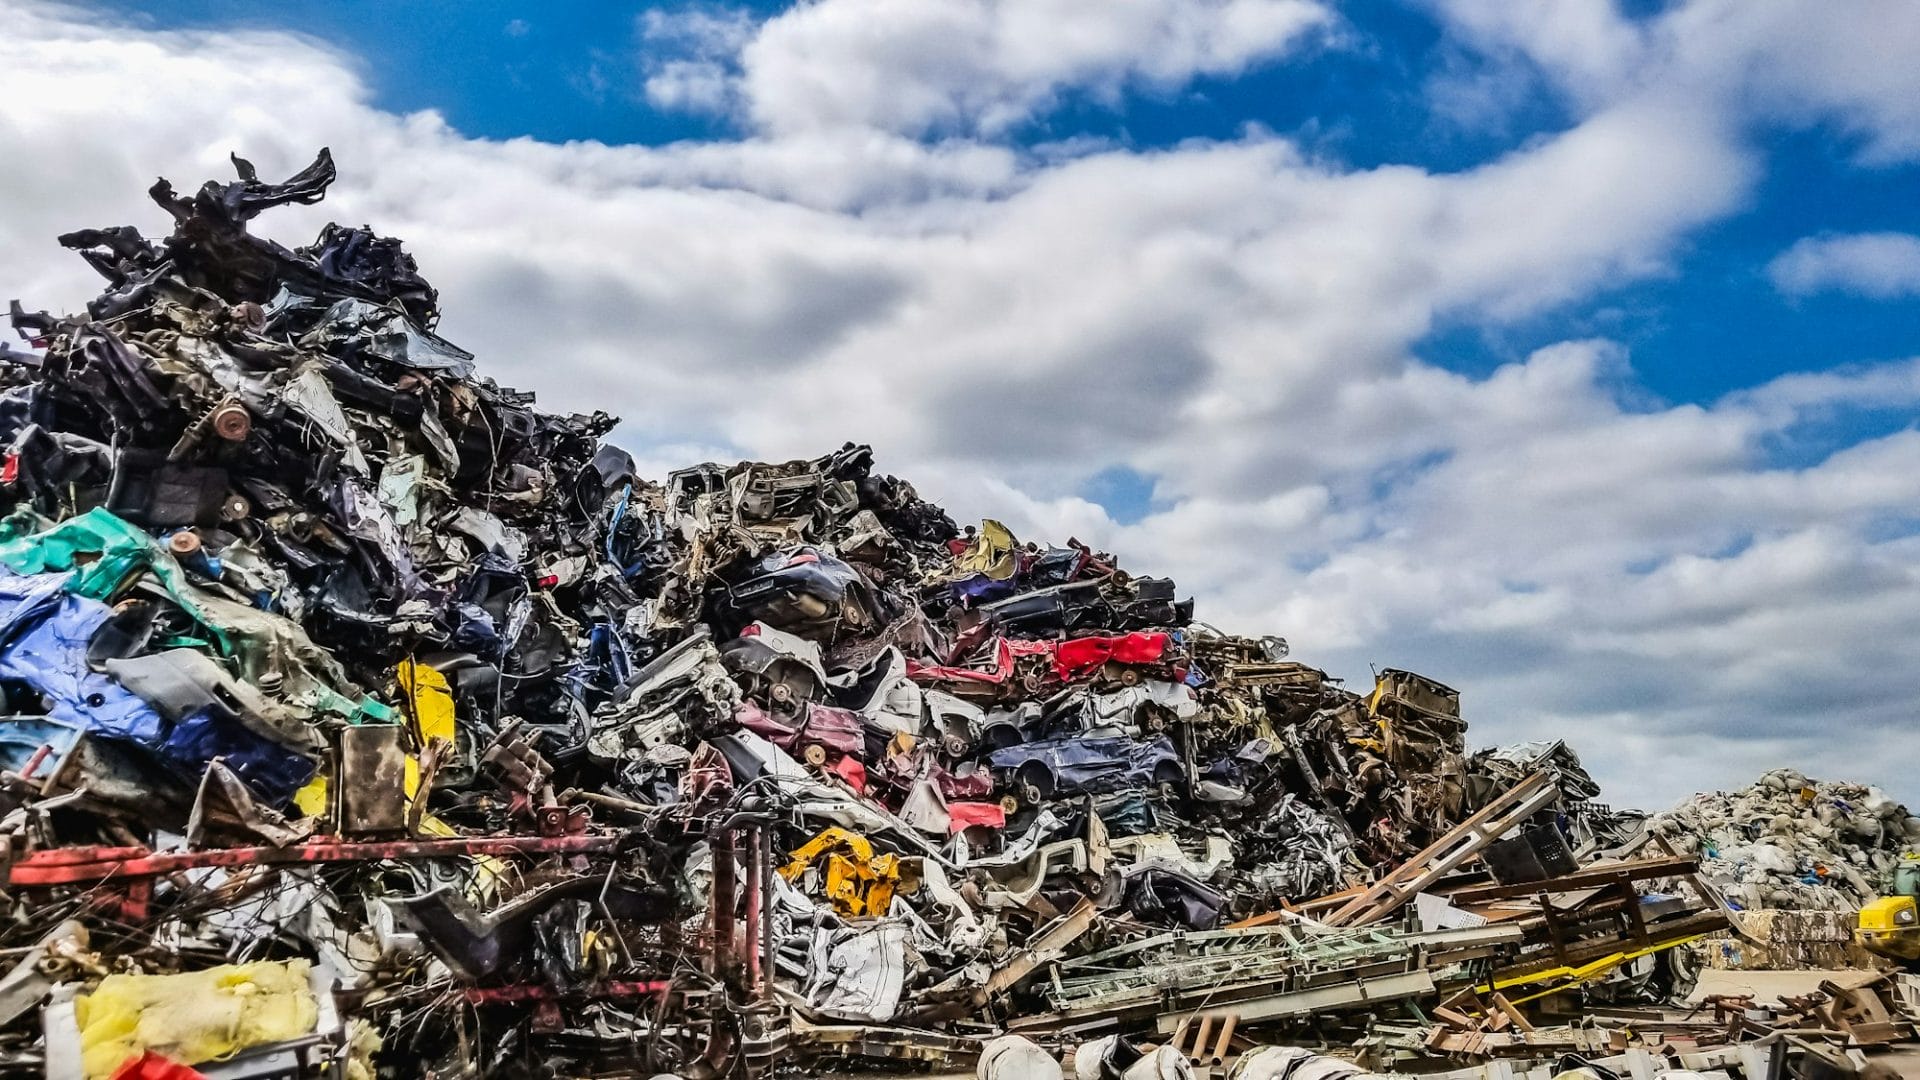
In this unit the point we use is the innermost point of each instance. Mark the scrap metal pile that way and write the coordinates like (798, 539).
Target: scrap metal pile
(361, 715)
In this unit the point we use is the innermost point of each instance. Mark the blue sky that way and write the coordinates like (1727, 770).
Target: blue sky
(495, 70)
(1564, 351)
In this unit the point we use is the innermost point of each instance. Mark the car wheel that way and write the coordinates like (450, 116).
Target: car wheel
(1035, 784)
(1166, 777)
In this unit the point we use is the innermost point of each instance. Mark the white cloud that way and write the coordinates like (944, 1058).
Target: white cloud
(1883, 265)
(1586, 46)
(1232, 319)
(958, 66)
(1795, 61)
(689, 57)
(1799, 61)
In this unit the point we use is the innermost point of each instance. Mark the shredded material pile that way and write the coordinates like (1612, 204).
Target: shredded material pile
(1792, 843)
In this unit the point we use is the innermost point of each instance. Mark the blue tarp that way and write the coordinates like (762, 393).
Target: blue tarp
(44, 633)
(272, 772)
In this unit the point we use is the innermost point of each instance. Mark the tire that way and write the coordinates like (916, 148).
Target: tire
(1168, 779)
(1034, 783)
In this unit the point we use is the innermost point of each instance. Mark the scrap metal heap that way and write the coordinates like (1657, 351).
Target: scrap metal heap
(361, 715)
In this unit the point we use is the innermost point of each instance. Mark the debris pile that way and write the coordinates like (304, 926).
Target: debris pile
(362, 716)
(1794, 844)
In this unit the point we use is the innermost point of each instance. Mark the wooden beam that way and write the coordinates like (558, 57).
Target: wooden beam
(1512, 1012)
(1586, 878)
(1441, 857)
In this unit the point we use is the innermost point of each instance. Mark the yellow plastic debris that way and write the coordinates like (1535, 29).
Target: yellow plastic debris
(429, 700)
(311, 800)
(195, 1016)
(858, 881)
(990, 553)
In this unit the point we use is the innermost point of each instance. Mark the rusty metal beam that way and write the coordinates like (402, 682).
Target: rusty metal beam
(72, 865)
(1584, 878)
(1043, 948)
(525, 993)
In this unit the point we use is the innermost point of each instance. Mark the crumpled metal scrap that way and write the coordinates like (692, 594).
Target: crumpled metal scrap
(319, 645)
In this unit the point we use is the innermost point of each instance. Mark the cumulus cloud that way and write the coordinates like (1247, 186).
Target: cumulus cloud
(1882, 265)
(1787, 61)
(690, 54)
(1587, 48)
(1232, 319)
(967, 66)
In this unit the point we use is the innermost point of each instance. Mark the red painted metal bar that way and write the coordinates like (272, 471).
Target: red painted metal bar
(725, 894)
(66, 866)
(764, 932)
(534, 992)
(756, 872)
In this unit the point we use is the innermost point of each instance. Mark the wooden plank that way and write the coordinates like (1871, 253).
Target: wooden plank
(1045, 947)
(1512, 1012)
(1636, 923)
(1256, 921)
(1331, 900)
(1556, 936)
(1439, 858)
(1585, 878)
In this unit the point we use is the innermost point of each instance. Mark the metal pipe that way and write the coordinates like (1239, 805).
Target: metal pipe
(84, 863)
(767, 944)
(756, 870)
(1218, 1056)
(721, 904)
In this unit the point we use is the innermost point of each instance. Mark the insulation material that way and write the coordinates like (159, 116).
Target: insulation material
(195, 1016)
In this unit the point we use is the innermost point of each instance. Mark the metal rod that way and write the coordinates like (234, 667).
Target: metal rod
(725, 895)
(65, 866)
(756, 869)
(765, 839)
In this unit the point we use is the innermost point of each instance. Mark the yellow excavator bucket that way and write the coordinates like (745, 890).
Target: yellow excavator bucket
(1890, 926)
